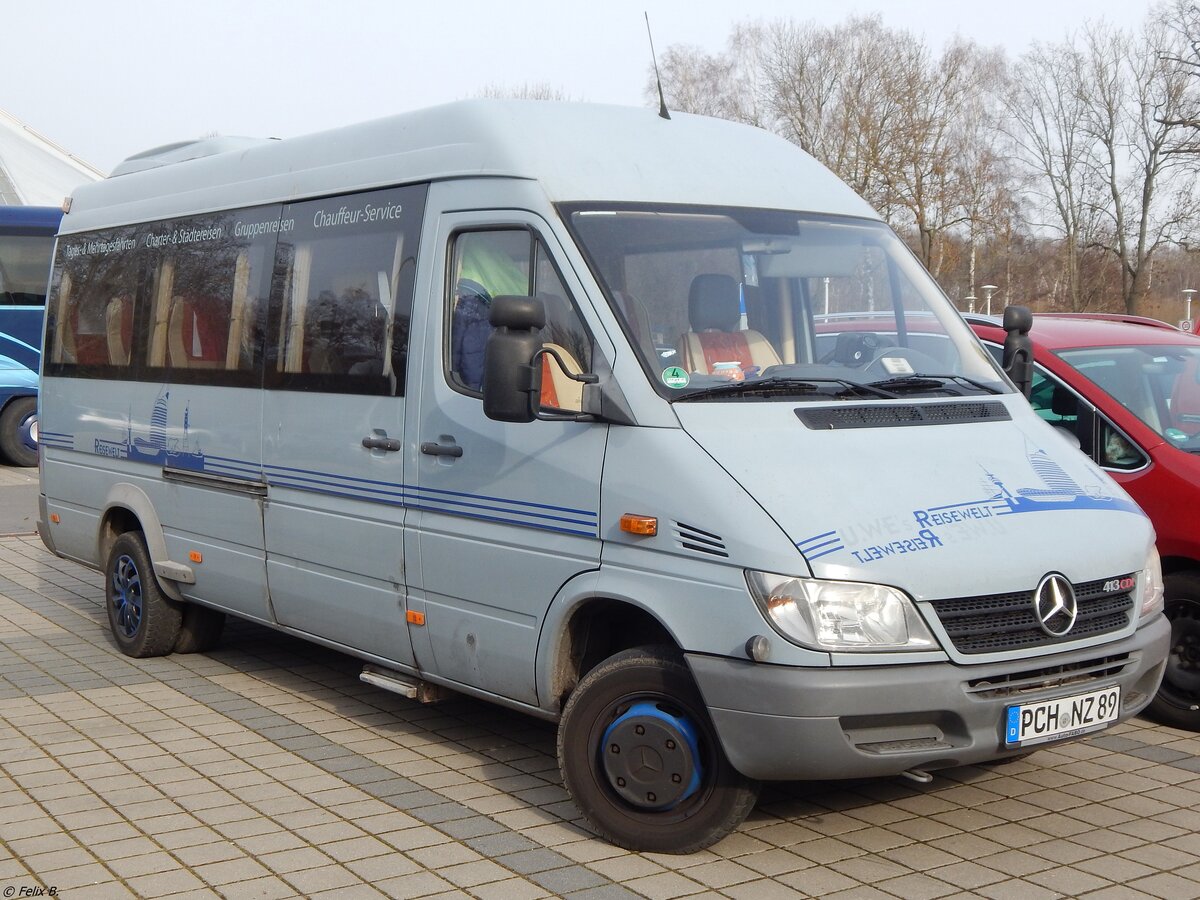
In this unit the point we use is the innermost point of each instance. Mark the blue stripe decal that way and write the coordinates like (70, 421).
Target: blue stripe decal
(812, 548)
(486, 508)
(811, 556)
(413, 499)
(819, 545)
(480, 507)
(589, 534)
(410, 487)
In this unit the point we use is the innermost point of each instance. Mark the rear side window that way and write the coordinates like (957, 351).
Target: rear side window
(309, 296)
(207, 284)
(94, 294)
(344, 272)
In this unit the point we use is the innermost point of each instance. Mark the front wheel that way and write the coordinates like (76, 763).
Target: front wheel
(144, 621)
(641, 759)
(18, 432)
(1178, 699)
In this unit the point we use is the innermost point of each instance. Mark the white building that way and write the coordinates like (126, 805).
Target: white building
(34, 171)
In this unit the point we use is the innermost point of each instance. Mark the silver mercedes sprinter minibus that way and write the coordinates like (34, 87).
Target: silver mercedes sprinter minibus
(650, 427)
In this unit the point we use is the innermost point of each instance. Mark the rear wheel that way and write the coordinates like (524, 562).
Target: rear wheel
(641, 759)
(200, 629)
(144, 621)
(18, 432)
(1178, 699)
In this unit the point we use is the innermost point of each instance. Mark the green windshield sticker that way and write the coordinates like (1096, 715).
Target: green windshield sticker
(675, 377)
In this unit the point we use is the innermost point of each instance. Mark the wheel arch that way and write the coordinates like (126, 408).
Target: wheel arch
(585, 628)
(127, 508)
(1173, 564)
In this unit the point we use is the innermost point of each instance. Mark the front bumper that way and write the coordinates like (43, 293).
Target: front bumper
(787, 723)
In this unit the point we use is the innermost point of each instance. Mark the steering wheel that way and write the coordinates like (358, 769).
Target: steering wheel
(856, 349)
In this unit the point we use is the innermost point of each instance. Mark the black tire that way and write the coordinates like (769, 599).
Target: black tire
(638, 702)
(200, 629)
(144, 621)
(1177, 702)
(17, 421)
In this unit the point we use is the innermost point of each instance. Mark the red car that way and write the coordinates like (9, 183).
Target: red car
(1128, 392)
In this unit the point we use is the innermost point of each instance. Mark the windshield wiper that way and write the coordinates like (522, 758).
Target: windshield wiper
(781, 386)
(922, 382)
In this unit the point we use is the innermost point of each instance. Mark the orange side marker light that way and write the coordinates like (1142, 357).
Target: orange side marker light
(635, 524)
(55, 518)
(196, 556)
(414, 617)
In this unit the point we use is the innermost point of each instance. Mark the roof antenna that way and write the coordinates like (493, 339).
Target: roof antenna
(662, 103)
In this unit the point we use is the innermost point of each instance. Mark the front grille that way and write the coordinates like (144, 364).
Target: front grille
(998, 622)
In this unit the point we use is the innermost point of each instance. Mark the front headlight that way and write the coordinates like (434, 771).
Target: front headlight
(1153, 590)
(839, 615)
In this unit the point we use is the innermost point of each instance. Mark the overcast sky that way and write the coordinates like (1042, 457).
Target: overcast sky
(105, 79)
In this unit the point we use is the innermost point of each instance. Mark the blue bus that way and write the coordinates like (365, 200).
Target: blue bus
(26, 247)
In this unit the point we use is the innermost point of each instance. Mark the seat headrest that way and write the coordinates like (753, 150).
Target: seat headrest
(1063, 402)
(713, 303)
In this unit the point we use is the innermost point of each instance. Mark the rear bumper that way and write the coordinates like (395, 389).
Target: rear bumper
(43, 525)
(785, 723)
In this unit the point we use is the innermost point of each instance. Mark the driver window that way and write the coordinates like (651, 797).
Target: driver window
(513, 262)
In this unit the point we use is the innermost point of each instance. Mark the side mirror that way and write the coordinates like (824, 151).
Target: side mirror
(1018, 348)
(512, 382)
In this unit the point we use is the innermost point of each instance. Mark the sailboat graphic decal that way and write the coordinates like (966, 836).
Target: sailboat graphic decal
(1054, 490)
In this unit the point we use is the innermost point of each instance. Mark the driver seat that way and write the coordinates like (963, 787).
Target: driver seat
(713, 312)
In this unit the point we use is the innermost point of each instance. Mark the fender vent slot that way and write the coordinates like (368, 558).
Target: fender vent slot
(832, 418)
(699, 541)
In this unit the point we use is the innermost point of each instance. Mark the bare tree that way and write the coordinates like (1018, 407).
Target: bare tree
(840, 93)
(1136, 92)
(1067, 197)
(1183, 18)
(538, 90)
(1047, 109)
(947, 165)
(727, 85)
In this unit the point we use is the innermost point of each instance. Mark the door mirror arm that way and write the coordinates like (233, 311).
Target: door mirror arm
(1018, 348)
(584, 378)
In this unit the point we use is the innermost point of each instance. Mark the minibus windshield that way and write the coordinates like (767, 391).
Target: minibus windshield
(734, 304)
(1158, 384)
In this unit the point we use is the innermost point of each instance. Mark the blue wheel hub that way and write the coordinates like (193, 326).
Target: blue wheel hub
(28, 431)
(127, 596)
(651, 757)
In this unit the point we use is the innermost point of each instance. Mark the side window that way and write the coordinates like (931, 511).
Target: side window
(1054, 401)
(1063, 408)
(343, 285)
(93, 295)
(1116, 451)
(493, 263)
(207, 294)
(23, 272)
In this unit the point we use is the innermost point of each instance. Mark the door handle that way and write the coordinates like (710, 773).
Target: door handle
(433, 448)
(391, 445)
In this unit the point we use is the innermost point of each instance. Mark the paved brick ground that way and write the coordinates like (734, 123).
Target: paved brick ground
(266, 769)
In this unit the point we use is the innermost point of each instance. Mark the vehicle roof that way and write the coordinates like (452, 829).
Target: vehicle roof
(574, 151)
(29, 219)
(1061, 333)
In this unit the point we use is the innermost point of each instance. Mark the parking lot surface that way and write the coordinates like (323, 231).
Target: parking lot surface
(265, 768)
